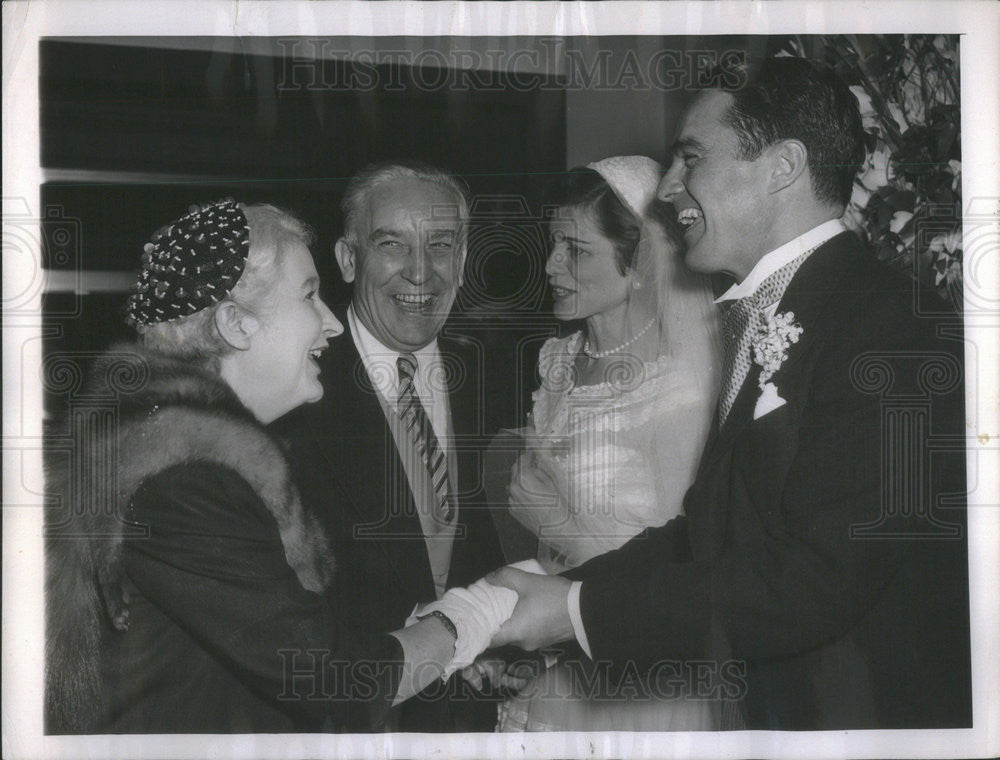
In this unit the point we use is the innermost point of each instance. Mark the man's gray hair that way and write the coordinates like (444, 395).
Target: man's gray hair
(355, 199)
(196, 336)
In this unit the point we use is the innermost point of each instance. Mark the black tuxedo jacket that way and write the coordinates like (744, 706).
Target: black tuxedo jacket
(808, 566)
(350, 474)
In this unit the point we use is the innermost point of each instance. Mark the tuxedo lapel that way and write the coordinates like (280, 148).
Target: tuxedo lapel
(807, 297)
(740, 415)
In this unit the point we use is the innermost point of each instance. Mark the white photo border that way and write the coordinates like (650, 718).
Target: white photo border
(24, 23)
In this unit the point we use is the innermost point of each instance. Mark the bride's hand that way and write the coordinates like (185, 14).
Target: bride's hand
(518, 676)
(512, 678)
(484, 672)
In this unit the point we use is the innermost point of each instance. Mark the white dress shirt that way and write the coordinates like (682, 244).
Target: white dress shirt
(776, 259)
(766, 266)
(429, 383)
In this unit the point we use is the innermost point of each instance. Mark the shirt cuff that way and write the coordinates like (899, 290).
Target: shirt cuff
(573, 605)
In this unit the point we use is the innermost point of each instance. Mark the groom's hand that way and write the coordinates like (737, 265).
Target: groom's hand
(541, 617)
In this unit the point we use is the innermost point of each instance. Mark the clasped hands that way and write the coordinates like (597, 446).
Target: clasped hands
(518, 605)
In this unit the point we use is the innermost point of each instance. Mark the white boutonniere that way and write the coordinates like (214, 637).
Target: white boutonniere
(770, 346)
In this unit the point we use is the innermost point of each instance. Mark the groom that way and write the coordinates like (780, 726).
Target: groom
(817, 558)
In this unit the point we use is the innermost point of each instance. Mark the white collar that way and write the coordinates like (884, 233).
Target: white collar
(379, 359)
(776, 259)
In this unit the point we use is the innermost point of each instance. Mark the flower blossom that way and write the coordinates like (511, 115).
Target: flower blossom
(869, 117)
(899, 221)
(878, 172)
(946, 241)
(770, 348)
(955, 167)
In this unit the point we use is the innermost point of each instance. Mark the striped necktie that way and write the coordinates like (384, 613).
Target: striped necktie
(417, 423)
(740, 326)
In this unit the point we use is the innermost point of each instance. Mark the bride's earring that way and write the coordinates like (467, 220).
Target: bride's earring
(636, 284)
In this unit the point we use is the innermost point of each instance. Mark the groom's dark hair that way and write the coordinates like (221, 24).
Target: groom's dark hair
(796, 98)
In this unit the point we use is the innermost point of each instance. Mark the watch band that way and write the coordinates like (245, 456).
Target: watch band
(445, 621)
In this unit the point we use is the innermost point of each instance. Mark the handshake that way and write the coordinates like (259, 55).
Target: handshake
(482, 615)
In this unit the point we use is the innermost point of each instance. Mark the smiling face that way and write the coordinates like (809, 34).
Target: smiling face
(721, 200)
(583, 268)
(407, 262)
(294, 328)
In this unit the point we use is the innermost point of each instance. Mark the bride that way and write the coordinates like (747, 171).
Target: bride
(621, 416)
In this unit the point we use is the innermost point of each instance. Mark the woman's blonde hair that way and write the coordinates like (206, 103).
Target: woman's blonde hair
(196, 336)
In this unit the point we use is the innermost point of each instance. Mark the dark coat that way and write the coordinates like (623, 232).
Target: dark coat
(805, 556)
(353, 479)
(221, 568)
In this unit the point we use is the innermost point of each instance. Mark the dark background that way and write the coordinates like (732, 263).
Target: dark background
(134, 130)
(137, 134)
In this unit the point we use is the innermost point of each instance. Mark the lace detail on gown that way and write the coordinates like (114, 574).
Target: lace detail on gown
(599, 466)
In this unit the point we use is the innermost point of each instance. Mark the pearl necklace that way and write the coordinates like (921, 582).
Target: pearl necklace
(616, 349)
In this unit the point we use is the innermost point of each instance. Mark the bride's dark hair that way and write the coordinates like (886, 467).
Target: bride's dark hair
(586, 189)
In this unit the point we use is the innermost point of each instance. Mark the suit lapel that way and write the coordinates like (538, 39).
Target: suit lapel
(356, 441)
(464, 402)
(462, 390)
(466, 408)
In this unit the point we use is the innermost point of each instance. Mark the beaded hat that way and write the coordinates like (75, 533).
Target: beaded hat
(190, 264)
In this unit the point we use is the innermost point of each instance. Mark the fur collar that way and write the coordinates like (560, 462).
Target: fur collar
(169, 412)
(182, 414)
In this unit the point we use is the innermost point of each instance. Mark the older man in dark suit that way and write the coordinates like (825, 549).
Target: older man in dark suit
(389, 458)
(822, 560)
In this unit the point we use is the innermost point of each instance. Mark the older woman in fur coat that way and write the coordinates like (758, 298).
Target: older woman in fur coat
(182, 572)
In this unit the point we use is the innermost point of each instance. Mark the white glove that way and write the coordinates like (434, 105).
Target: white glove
(477, 612)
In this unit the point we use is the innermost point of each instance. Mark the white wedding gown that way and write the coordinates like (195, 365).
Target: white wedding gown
(601, 463)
